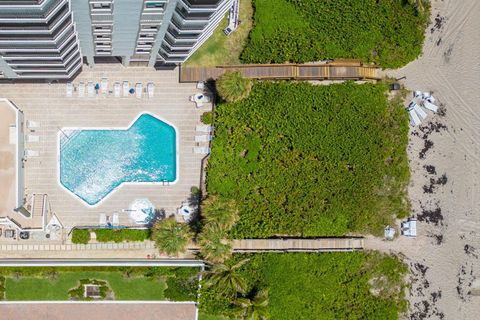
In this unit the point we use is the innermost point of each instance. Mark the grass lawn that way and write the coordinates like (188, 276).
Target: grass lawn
(35, 288)
(306, 160)
(220, 49)
(305, 286)
(389, 33)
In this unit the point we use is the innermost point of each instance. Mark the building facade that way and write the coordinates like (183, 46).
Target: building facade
(52, 39)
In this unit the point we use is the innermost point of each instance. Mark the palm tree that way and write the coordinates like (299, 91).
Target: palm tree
(232, 87)
(213, 242)
(227, 278)
(171, 236)
(253, 309)
(223, 212)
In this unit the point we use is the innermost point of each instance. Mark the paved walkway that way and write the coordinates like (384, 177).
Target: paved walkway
(78, 247)
(302, 245)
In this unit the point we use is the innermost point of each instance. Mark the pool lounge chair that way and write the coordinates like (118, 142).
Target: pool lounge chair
(430, 106)
(414, 120)
(31, 153)
(201, 150)
(203, 138)
(126, 87)
(115, 220)
(81, 89)
(150, 89)
(116, 89)
(104, 85)
(69, 89)
(103, 219)
(138, 90)
(31, 138)
(204, 128)
(90, 89)
(421, 114)
(32, 124)
(12, 134)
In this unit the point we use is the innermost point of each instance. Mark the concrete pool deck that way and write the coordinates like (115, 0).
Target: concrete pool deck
(49, 107)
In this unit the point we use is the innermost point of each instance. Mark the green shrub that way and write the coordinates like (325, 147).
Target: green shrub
(181, 288)
(80, 236)
(207, 117)
(120, 235)
(231, 86)
(307, 160)
(2, 287)
(170, 236)
(390, 33)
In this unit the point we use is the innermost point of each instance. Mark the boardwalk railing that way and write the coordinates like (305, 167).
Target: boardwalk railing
(336, 70)
(298, 245)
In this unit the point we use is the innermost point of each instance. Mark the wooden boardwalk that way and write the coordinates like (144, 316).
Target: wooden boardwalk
(336, 70)
(298, 245)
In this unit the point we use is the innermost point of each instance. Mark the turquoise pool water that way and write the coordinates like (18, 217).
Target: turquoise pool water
(95, 162)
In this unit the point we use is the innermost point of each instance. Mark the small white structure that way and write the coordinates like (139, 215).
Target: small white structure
(90, 89)
(69, 89)
(185, 211)
(204, 128)
(201, 150)
(389, 233)
(104, 86)
(32, 138)
(81, 89)
(138, 90)
(116, 89)
(409, 228)
(421, 114)
(150, 89)
(141, 211)
(31, 153)
(414, 119)
(203, 138)
(126, 88)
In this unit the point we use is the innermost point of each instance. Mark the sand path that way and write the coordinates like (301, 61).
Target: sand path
(444, 258)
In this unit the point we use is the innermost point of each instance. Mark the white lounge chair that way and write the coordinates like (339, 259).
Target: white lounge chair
(138, 90)
(417, 93)
(150, 89)
(32, 124)
(203, 138)
(69, 89)
(116, 89)
(31, 138)
(414, 120)
(31, 153)
(201, 150)
(422, 114)
(115, 220)
(104, 85)
(204, 128)
(103, 219)
(12, 134)
(430, 106)
(81, 89)
(90, 89)
(126, 88)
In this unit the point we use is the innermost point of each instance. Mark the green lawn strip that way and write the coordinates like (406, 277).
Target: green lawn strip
(307, 160)
(80, 236)
(390, 33)
(120, 235)
(220, 49)
(32, 288)
(320, 286)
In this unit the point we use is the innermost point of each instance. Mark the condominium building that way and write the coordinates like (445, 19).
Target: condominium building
(52, 39)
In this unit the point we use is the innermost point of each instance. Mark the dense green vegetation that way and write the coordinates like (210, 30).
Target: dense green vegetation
(120, 235)
(389, 33)
(80, 236)
(170, 236)
(127, 283)
(231, 86)
(315, 286)
(308, 160)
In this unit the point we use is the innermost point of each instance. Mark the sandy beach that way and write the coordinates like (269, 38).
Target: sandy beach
(444, 159)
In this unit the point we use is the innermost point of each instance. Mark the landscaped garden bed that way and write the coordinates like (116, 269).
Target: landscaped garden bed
(305, 160)
(82, 236)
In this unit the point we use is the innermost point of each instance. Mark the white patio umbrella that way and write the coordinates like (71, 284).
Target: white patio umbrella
(141, 211)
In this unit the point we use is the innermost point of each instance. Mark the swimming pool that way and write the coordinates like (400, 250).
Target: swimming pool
(94, 162)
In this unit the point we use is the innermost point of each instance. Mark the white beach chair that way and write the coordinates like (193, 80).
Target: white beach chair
(81, 89)
(90, 89)
(103, 219)
(417, 93)
(115, 220)
(31, 153)
(422, 114)
(203, 138)
(201, 150)
(430, 106)
(69, 89)
(116, 89)
(414, 120)
(32, 124)
(138, 90)
(12, 134)
(104, 85)
(32, 138)
(126, 88)
(430, 98)
(150, 89)
(204, 128)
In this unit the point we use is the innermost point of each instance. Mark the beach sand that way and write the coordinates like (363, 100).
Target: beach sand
(444, 159)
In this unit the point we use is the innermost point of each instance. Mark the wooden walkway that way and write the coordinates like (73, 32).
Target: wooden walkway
(336, 70)
(298, 245)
